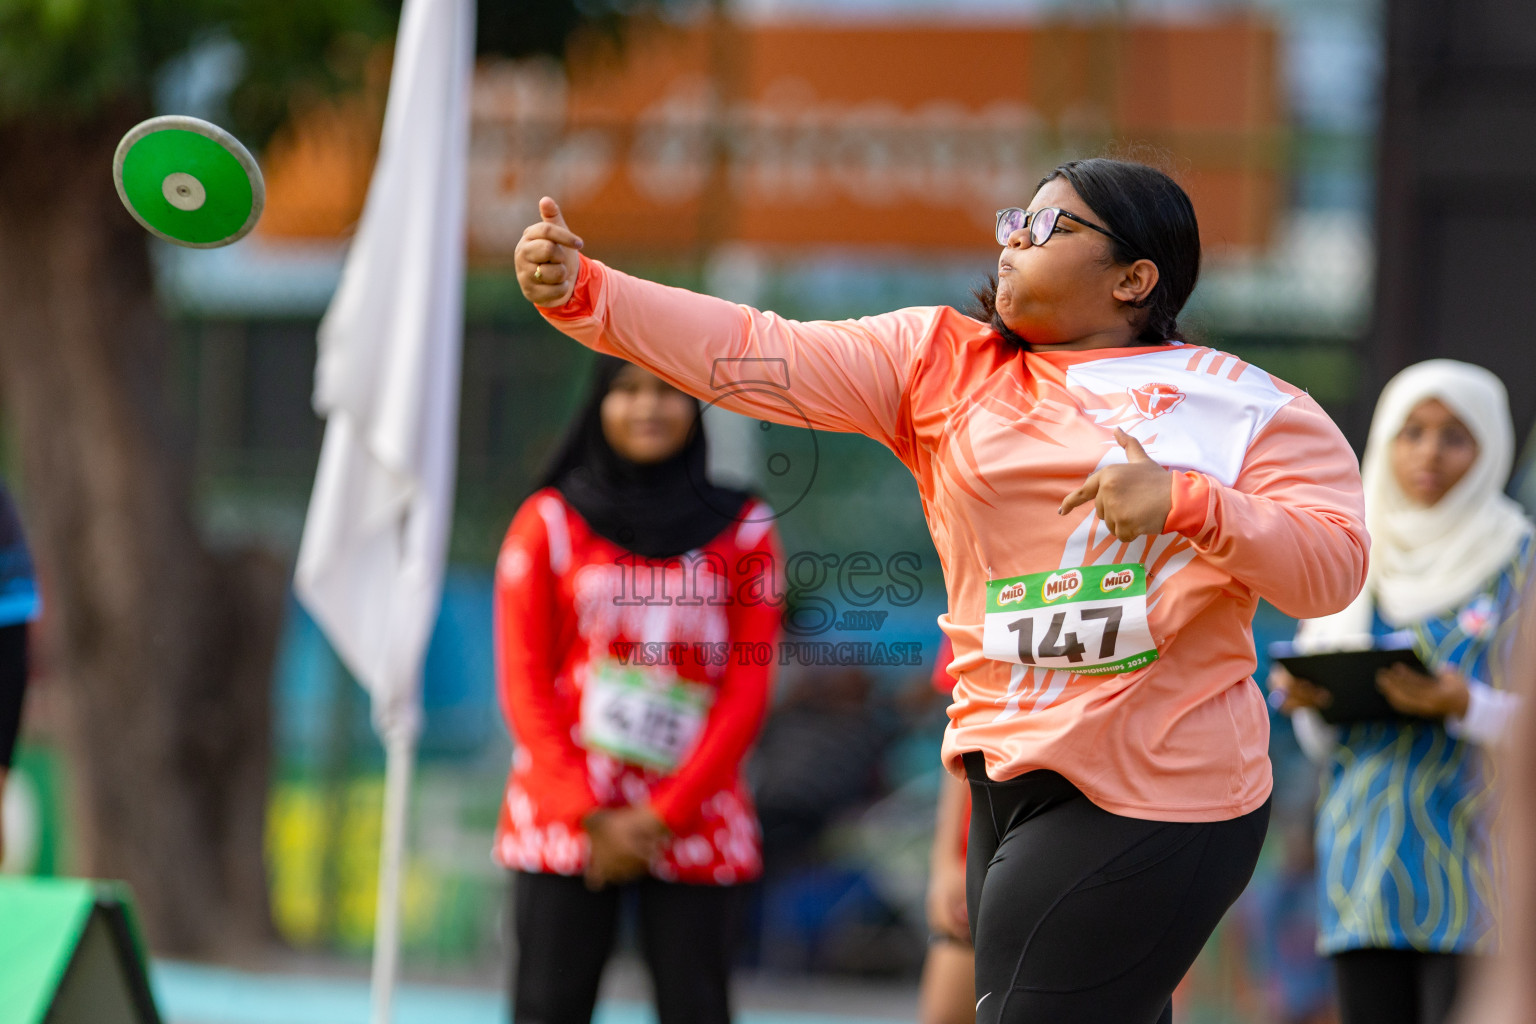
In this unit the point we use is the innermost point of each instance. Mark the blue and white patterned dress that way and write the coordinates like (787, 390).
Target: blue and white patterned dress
(1403, 849)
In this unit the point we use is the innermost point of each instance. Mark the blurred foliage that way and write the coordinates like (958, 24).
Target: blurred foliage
(70, 58)
(296, 51)
(74, 59)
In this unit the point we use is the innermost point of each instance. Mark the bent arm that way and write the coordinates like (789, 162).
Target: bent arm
(526, 663)
(1292, 528)
(849, 376)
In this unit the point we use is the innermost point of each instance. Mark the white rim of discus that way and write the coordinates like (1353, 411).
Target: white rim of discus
(207, 129)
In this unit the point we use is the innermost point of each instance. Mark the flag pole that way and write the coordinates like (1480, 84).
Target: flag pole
(375, 542)
(399, 766)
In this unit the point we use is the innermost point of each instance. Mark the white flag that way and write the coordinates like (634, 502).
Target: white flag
(370, 566)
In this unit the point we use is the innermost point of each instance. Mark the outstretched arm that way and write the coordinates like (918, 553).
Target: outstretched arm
(848, 376)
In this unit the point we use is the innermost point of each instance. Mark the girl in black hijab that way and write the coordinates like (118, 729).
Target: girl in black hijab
(656, 509)
(634, 603)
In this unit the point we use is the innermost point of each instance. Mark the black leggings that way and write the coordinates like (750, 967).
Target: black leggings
(1088, 917)
(1396, 986)
(565, 932)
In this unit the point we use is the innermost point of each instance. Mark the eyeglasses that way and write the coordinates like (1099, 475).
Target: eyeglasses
(1041, 225)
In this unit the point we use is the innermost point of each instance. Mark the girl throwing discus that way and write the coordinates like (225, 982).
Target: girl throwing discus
(1109, 505)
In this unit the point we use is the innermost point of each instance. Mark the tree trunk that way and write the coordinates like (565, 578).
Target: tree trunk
(163, 648)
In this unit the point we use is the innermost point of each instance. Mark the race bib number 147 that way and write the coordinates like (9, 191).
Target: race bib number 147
(1090, 620)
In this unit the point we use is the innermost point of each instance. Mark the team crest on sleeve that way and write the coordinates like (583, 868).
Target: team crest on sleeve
(1153, 400)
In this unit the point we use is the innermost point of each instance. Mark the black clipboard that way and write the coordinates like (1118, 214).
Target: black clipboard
(1350, 676)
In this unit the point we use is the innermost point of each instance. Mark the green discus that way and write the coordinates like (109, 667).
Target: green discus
(188, 182)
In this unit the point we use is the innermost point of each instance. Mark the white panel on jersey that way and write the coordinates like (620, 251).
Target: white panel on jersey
(1200, 408)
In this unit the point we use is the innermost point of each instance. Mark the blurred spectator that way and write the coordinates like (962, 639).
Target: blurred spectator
(1504, 991)
(19, 605)
(820, 755)
(948, 992)
(1406, 883)
(631, 710)
(1281, 921)
(819, 770)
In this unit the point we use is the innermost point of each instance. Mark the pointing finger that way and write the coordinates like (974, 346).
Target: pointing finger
(1134, 452)
(1087, 492)
(549, 212)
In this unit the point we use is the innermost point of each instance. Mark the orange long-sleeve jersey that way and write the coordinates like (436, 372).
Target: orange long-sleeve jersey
(1126, 667)
(571, 605)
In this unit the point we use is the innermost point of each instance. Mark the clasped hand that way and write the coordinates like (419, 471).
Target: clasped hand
(1133, 499)
(623, 841)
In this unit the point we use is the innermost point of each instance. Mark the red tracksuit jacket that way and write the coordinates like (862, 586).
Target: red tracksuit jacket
(575, 612)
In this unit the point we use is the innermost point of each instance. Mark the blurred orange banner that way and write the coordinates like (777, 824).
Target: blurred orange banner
(674, 140)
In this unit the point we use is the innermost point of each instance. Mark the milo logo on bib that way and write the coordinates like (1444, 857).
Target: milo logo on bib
(1090, 620)
(1117, 581)
(1011, 594)
(1061, 584)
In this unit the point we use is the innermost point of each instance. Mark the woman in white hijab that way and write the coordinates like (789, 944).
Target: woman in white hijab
(1405, 874)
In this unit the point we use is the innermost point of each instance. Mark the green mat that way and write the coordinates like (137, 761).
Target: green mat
(69, 952)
